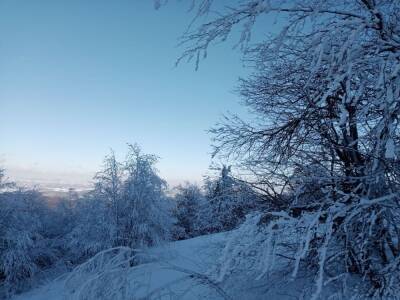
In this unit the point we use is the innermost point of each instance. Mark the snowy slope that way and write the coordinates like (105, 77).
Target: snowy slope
(176, 271)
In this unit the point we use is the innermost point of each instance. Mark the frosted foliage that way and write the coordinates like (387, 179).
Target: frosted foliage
(229, 200)
(103, 276)
(128, 207)
(25, 246)
(190, 203)
(94, 230)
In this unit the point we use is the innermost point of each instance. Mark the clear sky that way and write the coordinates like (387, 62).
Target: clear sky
(80, 77)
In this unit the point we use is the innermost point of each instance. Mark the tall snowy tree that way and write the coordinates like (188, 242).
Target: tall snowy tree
(127, 207)
(148, 211)
(326, 96)
(108, 187)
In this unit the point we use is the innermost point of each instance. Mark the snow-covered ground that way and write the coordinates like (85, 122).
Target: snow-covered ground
(175, 271)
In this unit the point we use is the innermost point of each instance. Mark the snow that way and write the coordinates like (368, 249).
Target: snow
(52, 290)
(390, 149)
(215, 266)
(177, 269)
(224, 265)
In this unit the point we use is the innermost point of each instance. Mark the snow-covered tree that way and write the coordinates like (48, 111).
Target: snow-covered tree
(109, 190)
(189, 201)
(229, 200)
(94, 228)
(148, 211)
(27, 246)
(326, 96)
(128, 207)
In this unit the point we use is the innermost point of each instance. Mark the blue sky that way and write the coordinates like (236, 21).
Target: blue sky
(80, 77)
